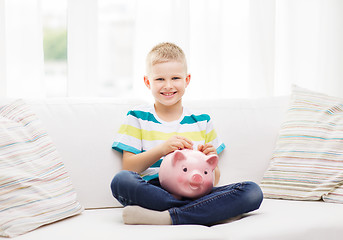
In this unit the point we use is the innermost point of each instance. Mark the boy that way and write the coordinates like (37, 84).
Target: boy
(151, 132)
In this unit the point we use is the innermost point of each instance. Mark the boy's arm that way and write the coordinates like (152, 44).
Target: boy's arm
(216, 176)
(140, 162)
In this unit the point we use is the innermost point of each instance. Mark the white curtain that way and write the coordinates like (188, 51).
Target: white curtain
(235, 48)
(21, 49)
(82, 47)
(309, 45)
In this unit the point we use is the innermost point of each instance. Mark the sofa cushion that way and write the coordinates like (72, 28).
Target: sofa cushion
(249, 128)
(275, 220)
(35, 188)
(83, 131)
(307, 163)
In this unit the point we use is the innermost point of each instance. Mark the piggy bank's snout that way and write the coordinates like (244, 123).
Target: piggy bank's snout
(197, 178)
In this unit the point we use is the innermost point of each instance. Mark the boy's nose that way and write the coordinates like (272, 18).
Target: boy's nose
(168, 84)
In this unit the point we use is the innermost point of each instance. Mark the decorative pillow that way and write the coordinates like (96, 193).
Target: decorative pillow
(307, 163)
(35, 188)
(335, 196)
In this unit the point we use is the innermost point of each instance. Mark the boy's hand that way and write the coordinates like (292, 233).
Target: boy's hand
(176, 143)
(207, 149)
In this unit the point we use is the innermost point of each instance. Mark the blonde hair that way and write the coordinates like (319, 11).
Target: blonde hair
(165, 52)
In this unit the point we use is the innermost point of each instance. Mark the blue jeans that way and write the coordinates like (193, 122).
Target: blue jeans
(220, 204)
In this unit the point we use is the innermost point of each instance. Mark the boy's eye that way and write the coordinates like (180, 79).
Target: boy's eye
(159, 79)
(176, 78)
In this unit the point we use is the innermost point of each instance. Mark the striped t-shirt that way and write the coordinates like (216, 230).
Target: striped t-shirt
(142, 130)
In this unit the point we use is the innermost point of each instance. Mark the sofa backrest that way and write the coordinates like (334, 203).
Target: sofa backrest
(249, 128)
(83, 131)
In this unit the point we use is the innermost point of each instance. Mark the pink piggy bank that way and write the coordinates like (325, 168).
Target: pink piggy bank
(188, 173)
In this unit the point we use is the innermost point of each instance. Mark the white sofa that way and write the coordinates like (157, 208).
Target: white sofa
(83, 130)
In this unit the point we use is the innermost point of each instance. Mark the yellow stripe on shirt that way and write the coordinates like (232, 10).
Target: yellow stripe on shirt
(211, 136)
(157, 135)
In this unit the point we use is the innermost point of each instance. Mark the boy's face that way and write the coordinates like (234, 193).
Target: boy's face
(167, 82)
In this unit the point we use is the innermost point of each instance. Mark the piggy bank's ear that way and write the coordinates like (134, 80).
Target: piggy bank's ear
(212, 161)
(178, 156)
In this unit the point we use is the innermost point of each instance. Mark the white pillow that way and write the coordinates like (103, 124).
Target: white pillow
(35, 188)
(336, 195)
(307, 163)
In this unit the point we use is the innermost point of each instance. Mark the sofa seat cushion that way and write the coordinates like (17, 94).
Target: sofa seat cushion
(276, 219)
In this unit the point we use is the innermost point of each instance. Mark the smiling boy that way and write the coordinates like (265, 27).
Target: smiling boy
(151, 132)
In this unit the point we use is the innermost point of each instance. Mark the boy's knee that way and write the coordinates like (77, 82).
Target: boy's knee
(117, 179)
(123, 180)
(254, 194)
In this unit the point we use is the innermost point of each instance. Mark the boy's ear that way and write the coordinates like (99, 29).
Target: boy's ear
(146, 81)
(188, 79)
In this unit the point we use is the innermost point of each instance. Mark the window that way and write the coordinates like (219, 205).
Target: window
(114, 36)
(54, 16)
(116, 23)
(97, 48)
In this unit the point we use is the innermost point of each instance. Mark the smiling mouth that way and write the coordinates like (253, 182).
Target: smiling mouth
(168, 94)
